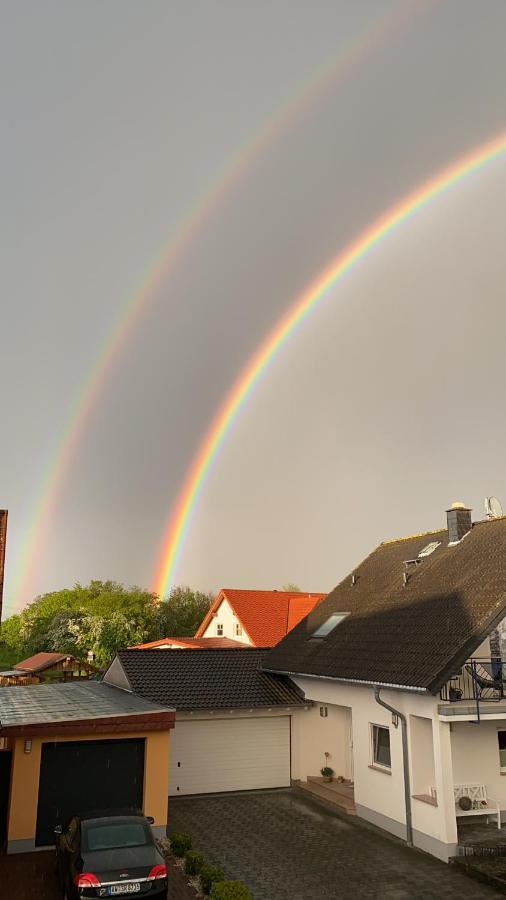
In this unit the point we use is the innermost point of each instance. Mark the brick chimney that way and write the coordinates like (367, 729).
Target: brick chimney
(459, 522)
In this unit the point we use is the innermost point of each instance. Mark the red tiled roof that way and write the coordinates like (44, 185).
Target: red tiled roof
(40, 661)
(191, 643)
(266, 616)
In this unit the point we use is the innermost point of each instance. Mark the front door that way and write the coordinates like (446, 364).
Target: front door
(5, 780)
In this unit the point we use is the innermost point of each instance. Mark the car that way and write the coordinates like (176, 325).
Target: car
(105, 855)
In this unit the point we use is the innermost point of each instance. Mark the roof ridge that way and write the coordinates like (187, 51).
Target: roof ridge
(410, 537)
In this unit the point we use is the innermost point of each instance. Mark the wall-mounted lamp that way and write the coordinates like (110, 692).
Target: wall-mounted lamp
(28, 745)
(395, 720)
(324, 712)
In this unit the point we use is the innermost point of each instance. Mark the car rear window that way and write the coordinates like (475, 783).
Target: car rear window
(112, 836)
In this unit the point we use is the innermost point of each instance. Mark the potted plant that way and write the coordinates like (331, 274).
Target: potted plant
(454, 693)
(327, 773)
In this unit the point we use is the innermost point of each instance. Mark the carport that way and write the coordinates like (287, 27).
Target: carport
(72, 748)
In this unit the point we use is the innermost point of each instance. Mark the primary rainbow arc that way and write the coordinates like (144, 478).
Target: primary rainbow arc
(181, 515)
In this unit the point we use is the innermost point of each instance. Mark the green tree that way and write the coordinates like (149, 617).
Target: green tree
(181, 613)
(102, 616)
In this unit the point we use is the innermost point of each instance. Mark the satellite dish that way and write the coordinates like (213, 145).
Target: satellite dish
(493, 509)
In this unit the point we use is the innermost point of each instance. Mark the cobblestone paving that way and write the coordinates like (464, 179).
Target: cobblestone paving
(30, 876)
(285, 847)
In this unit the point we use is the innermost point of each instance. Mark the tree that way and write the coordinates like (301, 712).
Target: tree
(102, 616)
(181, 613)
(291, 588)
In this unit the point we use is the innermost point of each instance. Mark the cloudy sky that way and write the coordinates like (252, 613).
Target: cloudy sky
(118, 118)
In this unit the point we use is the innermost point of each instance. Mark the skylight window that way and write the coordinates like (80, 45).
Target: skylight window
(429, 549)
(329, 624)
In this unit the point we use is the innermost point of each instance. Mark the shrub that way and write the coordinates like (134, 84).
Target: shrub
(230, 890)
(208, 876)
(193, 862)
(180, 842)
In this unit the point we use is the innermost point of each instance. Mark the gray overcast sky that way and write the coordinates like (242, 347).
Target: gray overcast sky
(384, 408)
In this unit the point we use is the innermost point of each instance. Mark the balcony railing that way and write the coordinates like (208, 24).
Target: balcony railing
(478, 680)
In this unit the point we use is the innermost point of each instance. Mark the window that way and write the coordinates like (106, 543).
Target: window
(380, 740)
(238, 629)
(429, 549)
(111, 837)
(329, 624)
(219, 629)
(501, 737)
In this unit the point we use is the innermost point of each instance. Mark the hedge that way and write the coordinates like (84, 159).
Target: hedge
(180, 842)
(209, 875)
(230, 890)
(193, 862)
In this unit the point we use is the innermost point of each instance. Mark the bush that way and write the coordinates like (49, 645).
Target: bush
(230, 890)
(193, 862)
(208, 876)
(180, 842)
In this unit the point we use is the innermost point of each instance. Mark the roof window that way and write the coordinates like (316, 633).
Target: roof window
(429, 549)
(329, 624)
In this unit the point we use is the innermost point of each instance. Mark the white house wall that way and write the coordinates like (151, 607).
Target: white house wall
(225, 616)
(475, 755)
(379, 795)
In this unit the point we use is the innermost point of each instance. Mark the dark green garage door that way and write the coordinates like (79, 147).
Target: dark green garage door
(81, 776)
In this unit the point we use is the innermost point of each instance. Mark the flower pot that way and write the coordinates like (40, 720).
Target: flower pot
(327, 778)
(455, 694)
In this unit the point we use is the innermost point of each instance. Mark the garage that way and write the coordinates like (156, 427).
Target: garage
(82, 776)
(233, 718)
(216, 755)
(76, 747)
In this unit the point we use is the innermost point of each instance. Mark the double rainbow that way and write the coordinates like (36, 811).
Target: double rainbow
(349, 54)
(184, 508)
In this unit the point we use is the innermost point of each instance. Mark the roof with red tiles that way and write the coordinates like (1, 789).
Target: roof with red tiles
(40, 661)
(190, 643)
(266, 616)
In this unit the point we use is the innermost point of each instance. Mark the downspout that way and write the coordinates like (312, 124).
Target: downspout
(405, 761)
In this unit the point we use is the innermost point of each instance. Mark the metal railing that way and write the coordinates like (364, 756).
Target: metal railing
(479, 680)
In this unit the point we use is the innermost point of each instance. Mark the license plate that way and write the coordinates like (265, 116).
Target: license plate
(132, 888)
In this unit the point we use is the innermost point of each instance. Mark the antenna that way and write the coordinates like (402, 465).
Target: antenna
(493, 509)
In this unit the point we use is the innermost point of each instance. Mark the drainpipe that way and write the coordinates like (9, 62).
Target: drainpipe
(405, 761)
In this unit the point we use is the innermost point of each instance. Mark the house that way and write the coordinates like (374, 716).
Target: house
(401, 666)
(189, 643)
(233, 721)
(257, 618)
(47, 667)
(70, 748)
(3, 541)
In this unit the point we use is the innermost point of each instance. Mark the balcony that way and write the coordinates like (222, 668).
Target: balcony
(479, 681)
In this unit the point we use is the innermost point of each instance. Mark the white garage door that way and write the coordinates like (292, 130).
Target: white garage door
(229, 755)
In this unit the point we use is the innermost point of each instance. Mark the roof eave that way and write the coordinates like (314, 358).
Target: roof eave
(357, 681)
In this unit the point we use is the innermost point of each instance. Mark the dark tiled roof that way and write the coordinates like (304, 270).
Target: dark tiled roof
(414, 635)
(39, 704)
(207, 679)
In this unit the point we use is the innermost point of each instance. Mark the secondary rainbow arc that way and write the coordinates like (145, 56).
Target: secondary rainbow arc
(348, 55)
(181, 515)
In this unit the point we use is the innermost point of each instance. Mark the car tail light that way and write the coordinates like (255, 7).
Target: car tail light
(86, 879)
(157, 872)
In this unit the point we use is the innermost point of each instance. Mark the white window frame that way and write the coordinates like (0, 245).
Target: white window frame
(374, 763)
(219, 629)
(501, 767)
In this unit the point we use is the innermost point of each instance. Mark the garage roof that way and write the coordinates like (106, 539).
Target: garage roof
(74, 708)
(204, 679)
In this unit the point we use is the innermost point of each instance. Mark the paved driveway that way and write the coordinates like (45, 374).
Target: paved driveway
(287, 848)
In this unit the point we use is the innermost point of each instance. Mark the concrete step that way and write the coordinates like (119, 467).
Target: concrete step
(342, 800)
